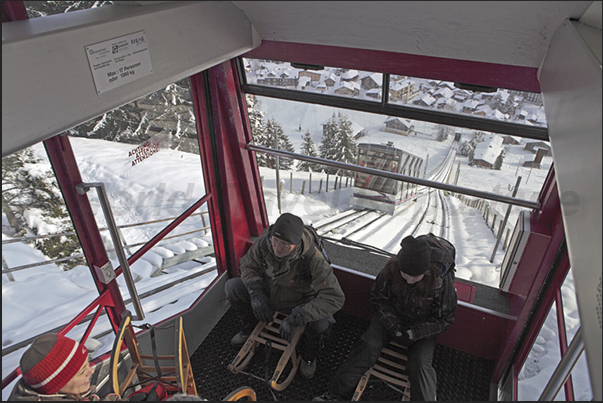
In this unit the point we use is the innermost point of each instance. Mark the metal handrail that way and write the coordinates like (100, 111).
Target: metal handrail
(82, 188)
(400, 177)
(564, 368)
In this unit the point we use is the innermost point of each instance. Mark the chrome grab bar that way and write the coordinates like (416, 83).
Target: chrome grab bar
(82, 188)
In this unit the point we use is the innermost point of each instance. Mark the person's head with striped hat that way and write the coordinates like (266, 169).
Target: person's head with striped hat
(56, 364)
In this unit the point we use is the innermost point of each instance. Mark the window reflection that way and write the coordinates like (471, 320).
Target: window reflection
(504, 105)
(334, 81)
(541, 362)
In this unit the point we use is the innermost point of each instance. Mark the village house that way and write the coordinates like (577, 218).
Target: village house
(402, 90)
(534, 146)
(399, 126)
(350, 75)
(348, 88)
(314, 75)
(372, 81)
(486, 152)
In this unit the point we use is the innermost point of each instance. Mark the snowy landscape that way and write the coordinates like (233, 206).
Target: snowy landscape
(60, 295)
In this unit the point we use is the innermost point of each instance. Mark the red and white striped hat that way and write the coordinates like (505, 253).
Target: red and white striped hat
(51, 361)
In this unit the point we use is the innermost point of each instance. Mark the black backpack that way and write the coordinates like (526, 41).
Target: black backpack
(443, 254)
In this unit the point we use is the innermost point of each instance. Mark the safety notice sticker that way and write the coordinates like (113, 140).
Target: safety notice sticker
(119, 61)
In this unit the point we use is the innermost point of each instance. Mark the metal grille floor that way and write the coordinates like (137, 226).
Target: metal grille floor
(461, 377)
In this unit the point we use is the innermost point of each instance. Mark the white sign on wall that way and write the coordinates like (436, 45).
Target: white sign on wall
(119, 61)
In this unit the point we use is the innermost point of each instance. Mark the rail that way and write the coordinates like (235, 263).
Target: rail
(400, 177)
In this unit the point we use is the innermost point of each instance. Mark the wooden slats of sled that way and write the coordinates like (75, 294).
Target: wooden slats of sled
(269, 333)
(391, 368)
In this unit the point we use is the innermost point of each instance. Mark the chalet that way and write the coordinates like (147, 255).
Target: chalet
(372, 81)
(399, 126)
(348, 88)
(314, 75)
(470, 105)
(444, 92)
(425, 100)
(537, 159)
(534, 146)
(486, 152)
(374, 93)
(303, 82)
(445, 103)
(512, 140)
(331, 80)
(350, 75)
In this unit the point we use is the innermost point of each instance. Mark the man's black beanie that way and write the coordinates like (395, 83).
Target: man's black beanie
(289, 228)
(414, 257)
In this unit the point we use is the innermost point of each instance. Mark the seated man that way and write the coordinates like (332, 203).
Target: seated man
(55, 367)
(284, 271)
(413, 305)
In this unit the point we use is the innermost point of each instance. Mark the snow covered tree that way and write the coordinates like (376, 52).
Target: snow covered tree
(33, 205)
(328, 146)
(169, 111)
(273, 128)
(443, 132)
(499, 160)
(258, 129)
(346, 149)
(308, 148)
(44, 8)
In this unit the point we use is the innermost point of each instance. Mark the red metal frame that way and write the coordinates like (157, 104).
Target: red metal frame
(224, 131)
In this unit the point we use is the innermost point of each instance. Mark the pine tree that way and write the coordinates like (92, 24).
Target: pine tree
(308, 148)
(443, 132)
(328, 146)
(29, 185)
(347, 148)
(272, 129)
(258, 129)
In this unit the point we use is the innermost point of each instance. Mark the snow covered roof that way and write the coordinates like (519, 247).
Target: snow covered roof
(376, 77)
(349, 75)
(489, 149)
(405, 122)
(428, 99)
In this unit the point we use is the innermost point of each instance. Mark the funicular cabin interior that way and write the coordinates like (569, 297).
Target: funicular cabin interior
(54, 79)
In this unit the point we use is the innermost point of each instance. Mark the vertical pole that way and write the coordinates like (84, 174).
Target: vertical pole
(310, 183)
(278, 178)
(504, 223)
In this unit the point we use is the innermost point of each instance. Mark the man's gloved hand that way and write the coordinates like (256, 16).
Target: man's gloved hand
(403, 335)
(293, 320)
(260, 301)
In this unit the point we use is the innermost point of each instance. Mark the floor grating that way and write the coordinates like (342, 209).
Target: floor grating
(461, 377)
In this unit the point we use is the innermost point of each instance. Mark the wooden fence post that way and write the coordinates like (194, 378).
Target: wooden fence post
(303, 187)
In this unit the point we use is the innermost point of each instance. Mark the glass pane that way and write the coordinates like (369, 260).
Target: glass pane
(541, 362)
(139, 152)
(37, 228)
(580, 374)
(441, 153)
(334, 81)
(504, 105)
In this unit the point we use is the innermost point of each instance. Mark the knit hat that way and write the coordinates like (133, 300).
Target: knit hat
(289, 228)
(414, 257)
(51, 361)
